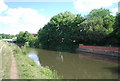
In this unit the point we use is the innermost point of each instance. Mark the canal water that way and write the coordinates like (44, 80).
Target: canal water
(73, 66)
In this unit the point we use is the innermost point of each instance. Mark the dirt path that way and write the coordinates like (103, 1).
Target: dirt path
(13, 71)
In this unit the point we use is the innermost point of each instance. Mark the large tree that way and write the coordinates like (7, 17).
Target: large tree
(66, 30)
(114, 38)
(98, 24)
(60, 32)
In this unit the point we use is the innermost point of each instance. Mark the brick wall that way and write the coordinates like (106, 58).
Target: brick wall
(100, 47)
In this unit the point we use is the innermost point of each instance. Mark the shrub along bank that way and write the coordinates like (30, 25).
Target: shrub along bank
(27, 68)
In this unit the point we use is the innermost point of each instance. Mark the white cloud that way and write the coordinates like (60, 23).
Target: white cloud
(39, 0)
(22, 19)
(3, 6)
(88, 5)
(114, 11)
(27, 16)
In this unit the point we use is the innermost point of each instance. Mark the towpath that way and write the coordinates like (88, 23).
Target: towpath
(13, 70)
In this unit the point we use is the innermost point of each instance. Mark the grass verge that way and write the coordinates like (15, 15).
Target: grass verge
(6, 59)
(28, 69)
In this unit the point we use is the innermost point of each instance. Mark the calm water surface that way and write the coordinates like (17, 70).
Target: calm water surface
(73, 66)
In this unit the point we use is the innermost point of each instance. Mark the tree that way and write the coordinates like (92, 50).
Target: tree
(66, 31)
(25, 38)
(114, 38)
(6, 36)
(97, 26)
(60, 32)
(20, 38)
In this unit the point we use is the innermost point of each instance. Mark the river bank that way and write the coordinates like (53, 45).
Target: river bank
(73, 66)
(100, 52)
(27, 68)
(66, 65)
(5, 59)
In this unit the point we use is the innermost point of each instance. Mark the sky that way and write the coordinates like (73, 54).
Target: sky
(31, 15)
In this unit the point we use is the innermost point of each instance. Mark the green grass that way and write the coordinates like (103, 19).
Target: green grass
(28, 68)
(5, 59)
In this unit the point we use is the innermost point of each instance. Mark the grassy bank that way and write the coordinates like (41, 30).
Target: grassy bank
(5, 59)
(27, 68)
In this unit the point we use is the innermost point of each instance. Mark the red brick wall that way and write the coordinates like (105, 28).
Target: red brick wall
(100, 47)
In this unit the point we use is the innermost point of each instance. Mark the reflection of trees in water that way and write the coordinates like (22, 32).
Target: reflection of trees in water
(73, 66)
(59, 57)
(115, 70)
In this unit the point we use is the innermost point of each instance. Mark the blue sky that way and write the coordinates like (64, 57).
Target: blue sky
(46, 8)
(31, 15)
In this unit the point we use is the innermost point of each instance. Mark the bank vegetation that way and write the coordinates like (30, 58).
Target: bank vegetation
(27, 68)
(65, 31)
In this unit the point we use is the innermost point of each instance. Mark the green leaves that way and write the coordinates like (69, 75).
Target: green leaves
(7, 36)
(25, 38)
(61, 26)
(114, 37)
(66, 30)
(99, 13)
(98, 24)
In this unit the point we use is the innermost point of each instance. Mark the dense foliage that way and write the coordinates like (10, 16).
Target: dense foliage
(97, 26)
(27, 39)
(66, 31)
(6, 36)
(60, 32)
(114, 38)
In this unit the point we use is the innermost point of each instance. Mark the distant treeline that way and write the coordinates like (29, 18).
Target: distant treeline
(65, 31)
(6, 36)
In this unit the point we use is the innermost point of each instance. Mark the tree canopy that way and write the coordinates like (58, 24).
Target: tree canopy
(25, 38)
(98, 24)
(59, 33)
(114, 37)
(66, 31)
